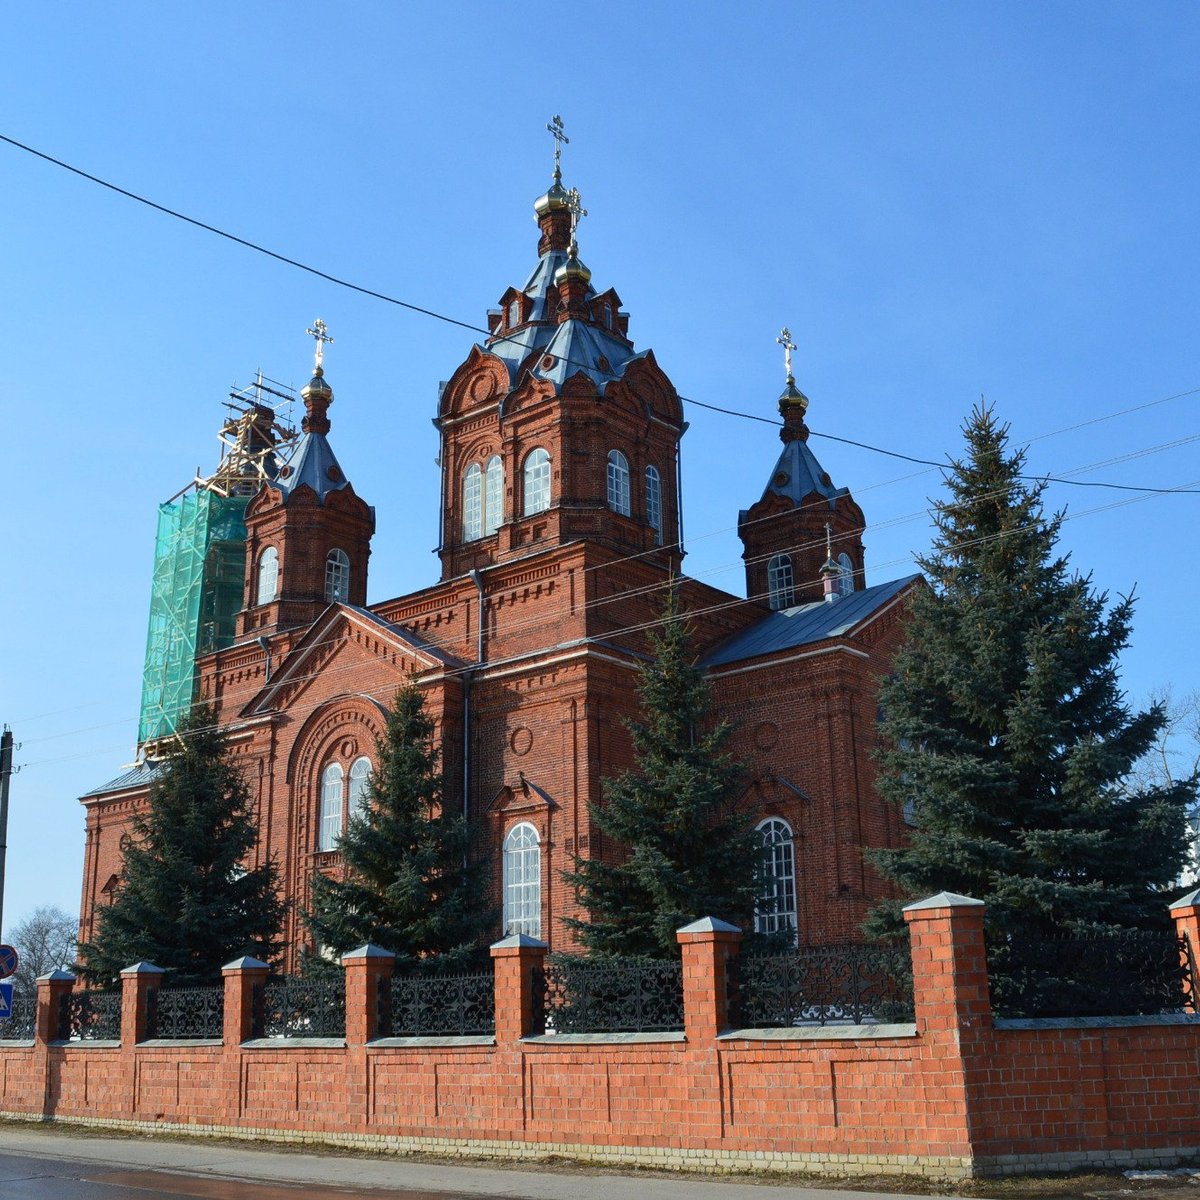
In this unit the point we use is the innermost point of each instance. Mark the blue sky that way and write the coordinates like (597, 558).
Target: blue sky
(940, 200)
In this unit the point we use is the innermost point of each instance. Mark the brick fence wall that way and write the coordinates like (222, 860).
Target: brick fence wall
(952, 1094)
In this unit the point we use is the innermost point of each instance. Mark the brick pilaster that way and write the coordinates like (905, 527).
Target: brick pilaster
(1185, 912)
(514, 961)
(368, 969)
(137, 982)
(707, 946)
(50, 992)
(241, 977)
(950, 981)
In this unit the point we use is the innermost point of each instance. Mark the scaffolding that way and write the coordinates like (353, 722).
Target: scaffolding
(200, 557)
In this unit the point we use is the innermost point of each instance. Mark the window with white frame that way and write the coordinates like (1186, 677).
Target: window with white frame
(618, 483)
(472, 503)
(514, 313)
(493, 495)
(337, 577)
(523, 881)
(781, 587)
(654, 503)
(537, 482)
(360, 785)
(845, 575)
(332, 801)
(268, 575)
(775, 908)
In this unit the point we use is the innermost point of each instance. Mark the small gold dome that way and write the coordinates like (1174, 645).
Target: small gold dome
(316, 386)
(792, 397)
(555, 200)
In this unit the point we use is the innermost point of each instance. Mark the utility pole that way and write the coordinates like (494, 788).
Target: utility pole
(6, 755)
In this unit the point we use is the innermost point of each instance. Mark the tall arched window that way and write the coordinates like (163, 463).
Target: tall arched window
(493, 495)
(523, 881)
(654, 503)
(360, 781)
(537, 482)
(781, 587)
(472, 503)
(618, 482)
(337, 577)
(268, 575)
(514, 313)
(845, 575)
(332, 798)
(775, 908)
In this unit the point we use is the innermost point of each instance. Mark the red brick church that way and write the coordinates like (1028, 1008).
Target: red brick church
(560, 529)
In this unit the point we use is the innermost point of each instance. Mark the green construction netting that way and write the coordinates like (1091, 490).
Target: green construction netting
(199, 573)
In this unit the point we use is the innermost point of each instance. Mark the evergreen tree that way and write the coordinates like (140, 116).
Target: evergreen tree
(688, 852)
(1005, 728)
(188, 902)
(411, 885)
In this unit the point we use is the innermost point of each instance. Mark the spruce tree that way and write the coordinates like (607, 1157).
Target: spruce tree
(1004, 727)
(188, 901)
(411, 882)
(687, 851)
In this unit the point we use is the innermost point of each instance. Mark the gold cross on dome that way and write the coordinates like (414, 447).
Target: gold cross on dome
(555, 129)
(576, 209)
(785, 340)
(319, 331)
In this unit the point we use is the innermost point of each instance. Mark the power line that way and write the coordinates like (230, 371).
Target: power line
(488, 334)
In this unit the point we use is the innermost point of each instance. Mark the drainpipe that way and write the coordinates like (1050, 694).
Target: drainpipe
(468, 680)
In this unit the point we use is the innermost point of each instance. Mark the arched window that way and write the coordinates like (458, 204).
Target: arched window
(781, 588)
(618, 482)
(522, 881)
(332, 798)
(268, 575)
(537, 482)
(493, 495)
(337, 577)
(514, 313)
(775, 909)
(845, 575)
(472, 503)
(654, 503)
(360, 782)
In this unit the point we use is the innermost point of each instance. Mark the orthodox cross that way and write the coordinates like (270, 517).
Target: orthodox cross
(319, 331)
(785, 340)
(555, 128)
(828, 542)
(576, 209)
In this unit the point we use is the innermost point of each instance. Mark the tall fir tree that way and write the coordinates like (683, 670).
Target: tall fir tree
(412, 884)
(1005, 729)
(189, 901)
(688, 851)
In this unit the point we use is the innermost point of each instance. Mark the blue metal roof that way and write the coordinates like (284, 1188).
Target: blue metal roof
(798, 474)
(315, 464)
(142, 775)
(806, 623)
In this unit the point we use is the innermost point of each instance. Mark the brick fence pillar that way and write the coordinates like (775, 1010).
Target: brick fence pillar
(137, 982)
(950, 980)
(1185, 912)
(707, 946)
(514, 961)
(50, 992)
(368, 970)
(241, 977)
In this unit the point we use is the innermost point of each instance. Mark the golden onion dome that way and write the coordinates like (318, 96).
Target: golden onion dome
(792, 397)
(572, 268)
(316, 386)
(555, 200)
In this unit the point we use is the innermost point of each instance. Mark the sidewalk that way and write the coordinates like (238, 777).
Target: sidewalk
(254, 1164)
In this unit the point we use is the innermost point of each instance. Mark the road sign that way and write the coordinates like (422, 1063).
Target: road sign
(6, 995)
(8, 961)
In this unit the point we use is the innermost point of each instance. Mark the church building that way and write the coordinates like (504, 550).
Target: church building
(560, 531)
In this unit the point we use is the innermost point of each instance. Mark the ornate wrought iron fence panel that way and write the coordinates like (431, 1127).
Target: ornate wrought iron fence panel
(816, 985)
(299, 1008)
(90, 1017)
(438, 1005)
(621, 995)
(21, 1024)
(1120, 974)
(185, 1012)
